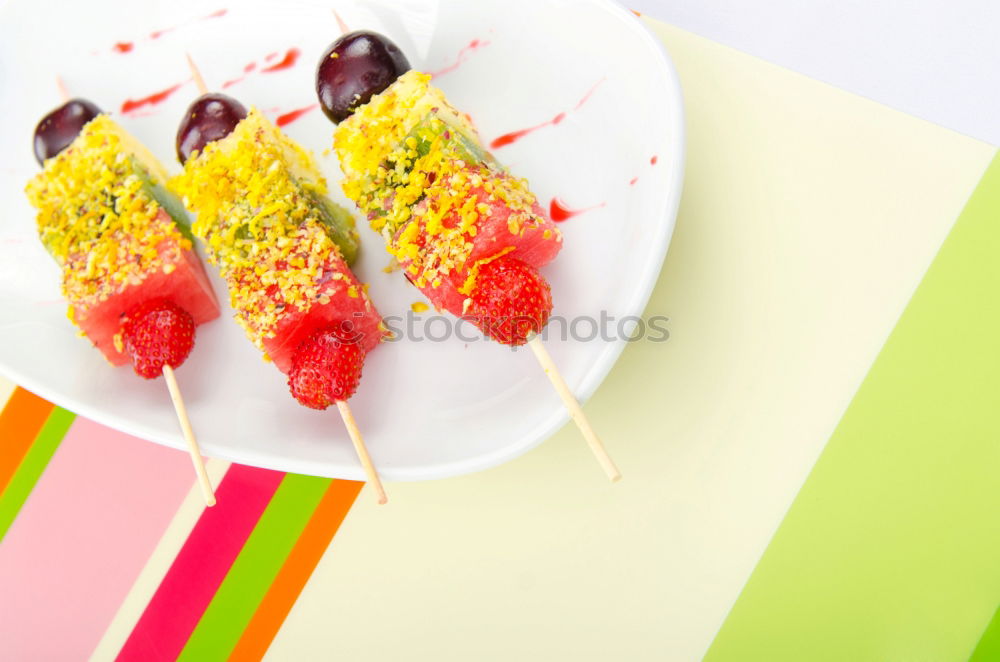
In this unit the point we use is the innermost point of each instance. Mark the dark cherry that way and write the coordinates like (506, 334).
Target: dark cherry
(354, 68)
(58, 129)
(210, 117)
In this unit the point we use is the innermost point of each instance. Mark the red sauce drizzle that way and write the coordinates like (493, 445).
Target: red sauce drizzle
(247, 69)
(590, 93)
(653, 160)
(463, 55)
(559, 212)
(156, 34)
(632, 181)
(293, 115)
(291, 57)
(514, 136)
(123, 46)
(287, 62)
(151, 100)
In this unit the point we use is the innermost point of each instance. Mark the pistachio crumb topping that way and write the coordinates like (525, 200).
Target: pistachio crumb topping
(254, 193)
(415, 166)
(97, 215)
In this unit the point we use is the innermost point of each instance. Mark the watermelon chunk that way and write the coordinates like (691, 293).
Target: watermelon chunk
(536, 243)
(348, 307)
(186, 285)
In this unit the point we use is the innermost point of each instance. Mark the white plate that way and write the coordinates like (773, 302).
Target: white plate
(428, 409)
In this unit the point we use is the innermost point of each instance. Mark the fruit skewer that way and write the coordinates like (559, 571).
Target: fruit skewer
(133, 283)
(465, 231)
(283, 249)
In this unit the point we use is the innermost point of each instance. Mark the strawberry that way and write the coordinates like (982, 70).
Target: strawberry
(326, 367)
(157, 333)
(511, 301)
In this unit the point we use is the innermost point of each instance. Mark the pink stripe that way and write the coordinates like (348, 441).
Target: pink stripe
(202, 564)
(81, 539)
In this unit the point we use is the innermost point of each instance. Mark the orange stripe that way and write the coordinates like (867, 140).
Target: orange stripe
(21, 419)
(294, 574)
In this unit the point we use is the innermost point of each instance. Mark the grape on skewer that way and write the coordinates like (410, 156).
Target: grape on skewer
(466, 232)
(135, 287)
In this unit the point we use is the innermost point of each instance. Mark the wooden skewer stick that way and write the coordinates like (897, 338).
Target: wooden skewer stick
(345, 410)
(361, 450)
(575, 411)
(192, 443)
(199, 82)
(341, 24)
(63, 92)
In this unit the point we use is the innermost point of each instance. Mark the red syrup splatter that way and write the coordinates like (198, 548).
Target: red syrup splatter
(151, 100)
(156, 34)
(514, 136)
(287, 62)
(652, 161)
(463, 55)
(559, 212)
(293, 115)
(123, 47)
(246, 71)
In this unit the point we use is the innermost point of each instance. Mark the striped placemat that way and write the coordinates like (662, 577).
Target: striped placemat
(116, 548)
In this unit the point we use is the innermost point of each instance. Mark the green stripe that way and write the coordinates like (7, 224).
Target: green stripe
(988, 649)
(891, 551)
(32, 466)
(255, 568)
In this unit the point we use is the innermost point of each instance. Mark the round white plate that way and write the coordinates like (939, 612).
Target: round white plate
(428, 408)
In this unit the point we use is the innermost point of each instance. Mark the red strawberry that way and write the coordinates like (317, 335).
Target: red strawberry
(156, 333)
(511, 301)
(326, 367)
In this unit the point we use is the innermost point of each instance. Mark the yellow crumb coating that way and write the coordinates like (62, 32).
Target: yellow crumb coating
(415, 166)
(254, 193)
(97, 214)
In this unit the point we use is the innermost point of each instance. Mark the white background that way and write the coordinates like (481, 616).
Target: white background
(937, 60)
